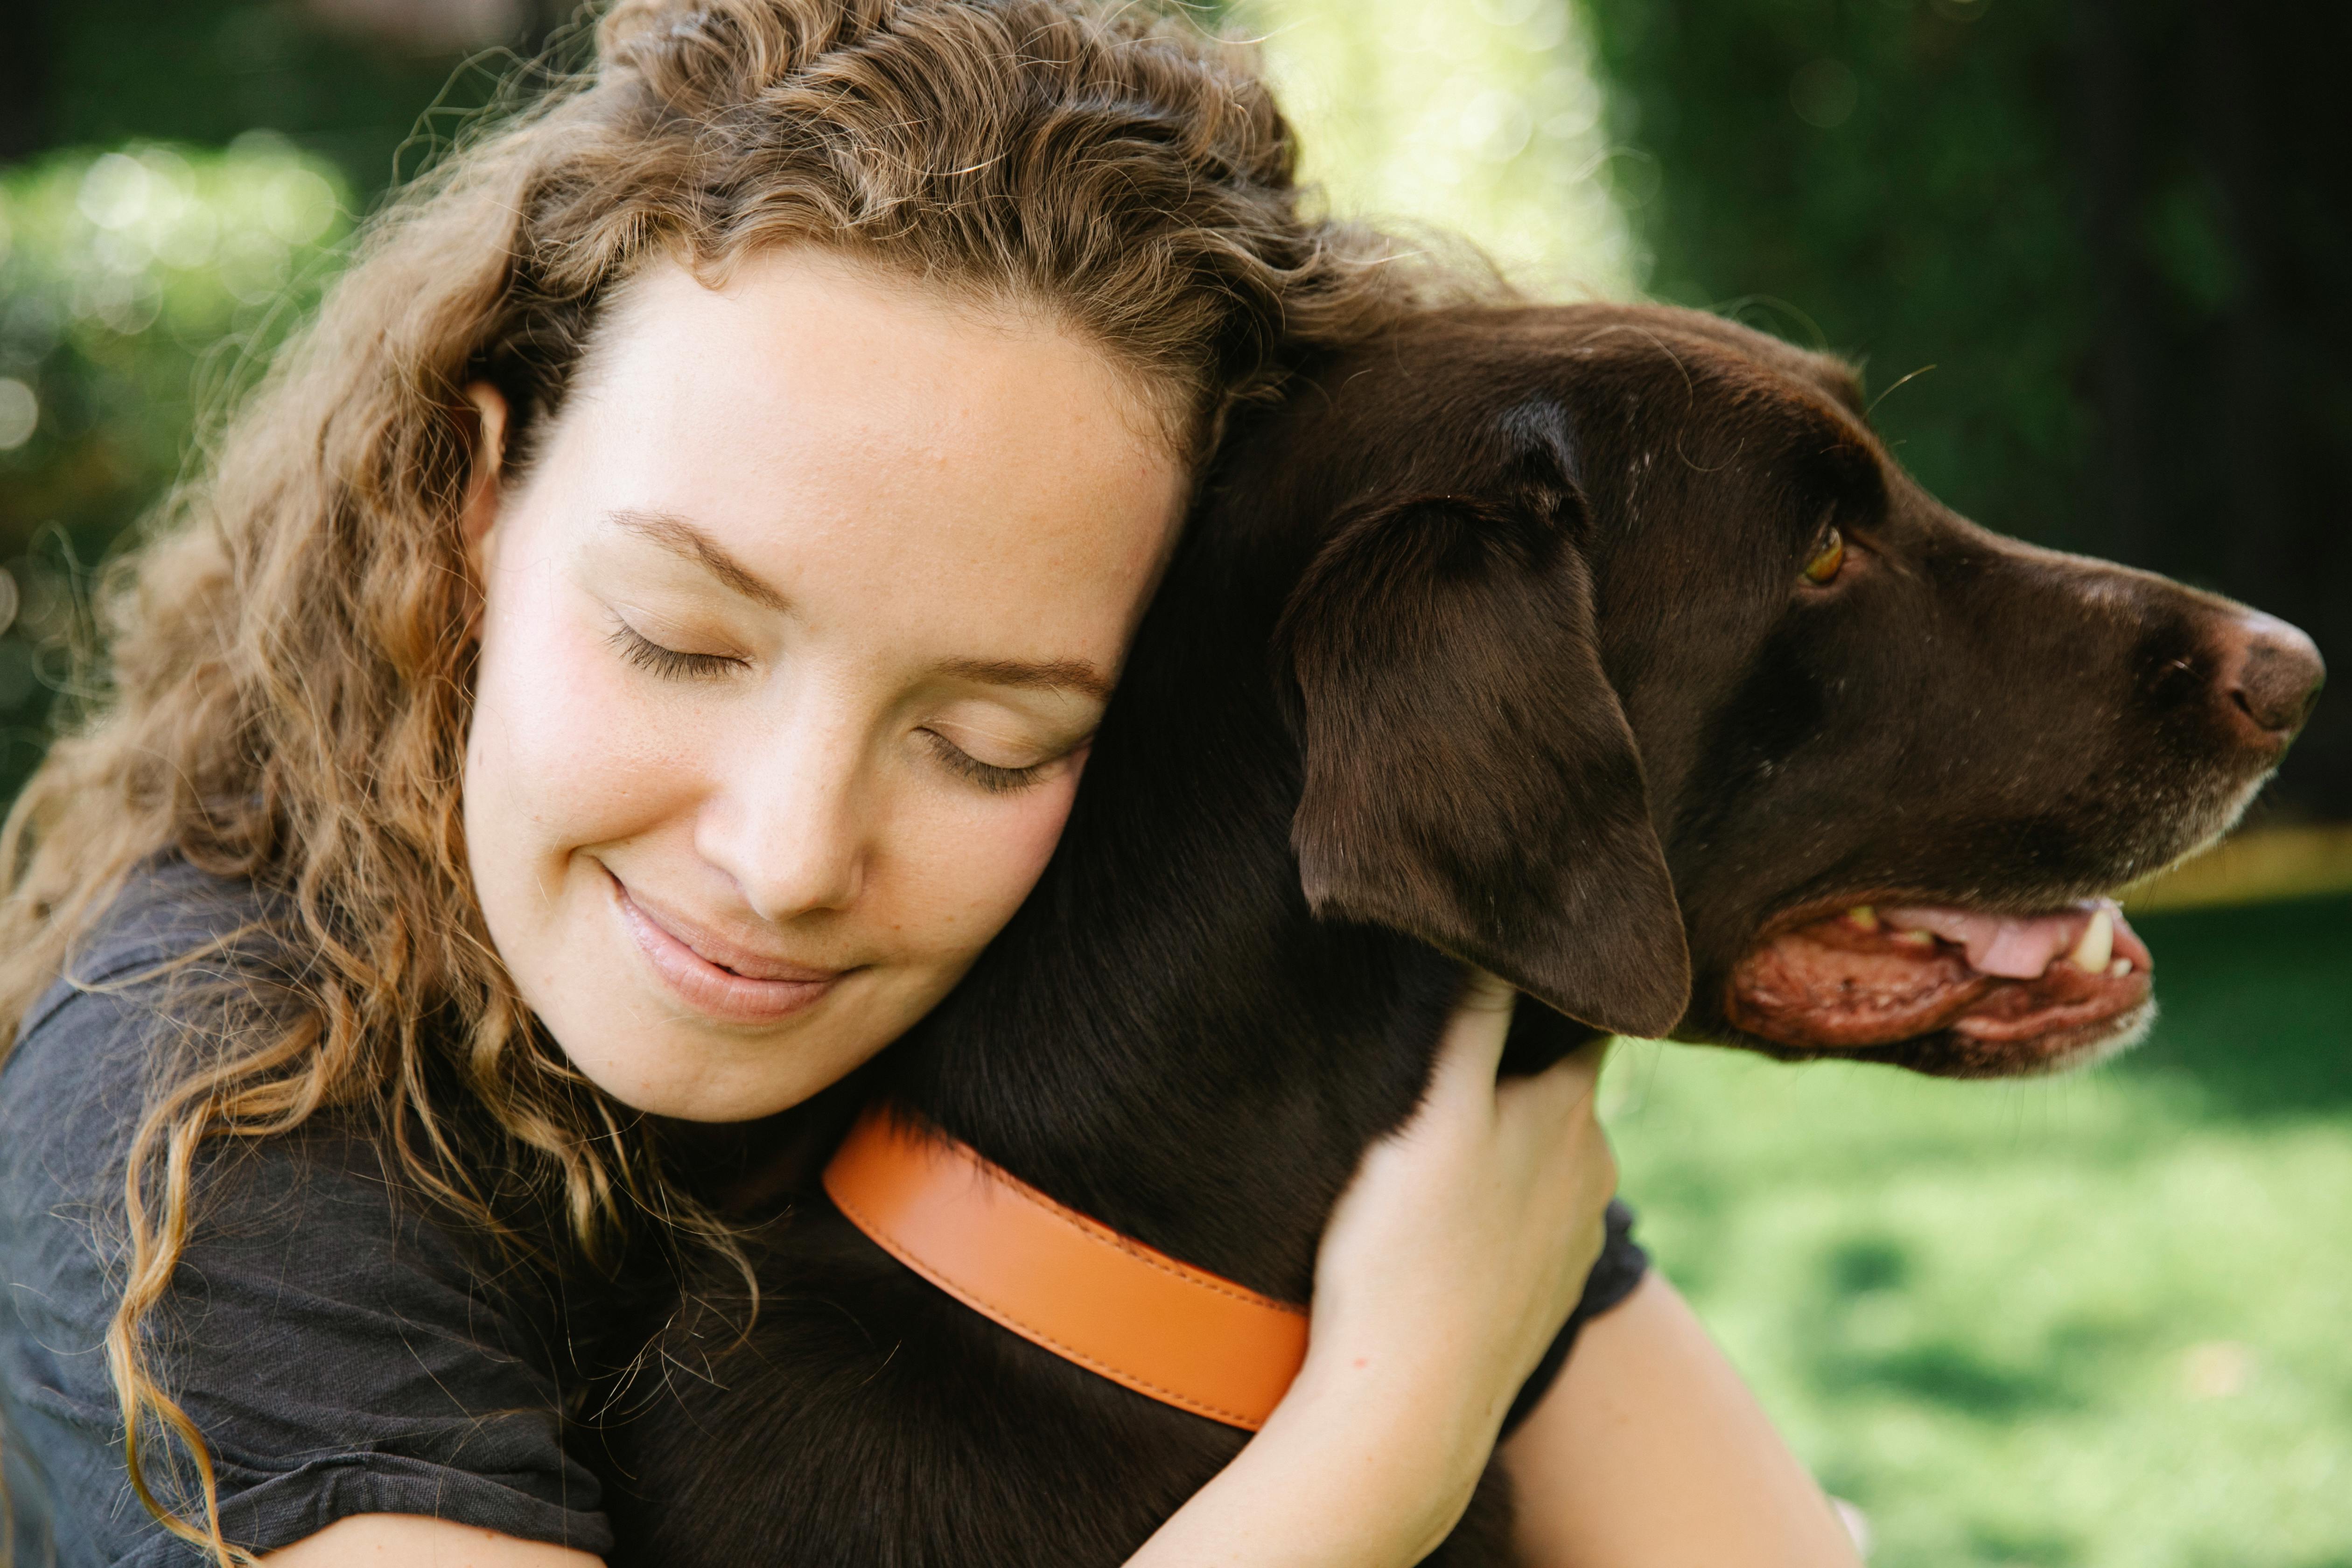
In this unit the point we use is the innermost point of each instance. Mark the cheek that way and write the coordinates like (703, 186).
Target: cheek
(970, 864)
(566, 750)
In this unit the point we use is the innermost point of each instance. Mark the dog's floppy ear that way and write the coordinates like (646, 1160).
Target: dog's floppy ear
(1470, 776)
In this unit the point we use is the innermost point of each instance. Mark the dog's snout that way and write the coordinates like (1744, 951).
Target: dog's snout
(2269, 677)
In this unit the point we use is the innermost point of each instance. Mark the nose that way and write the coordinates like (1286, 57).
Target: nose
(2269, 677)
(786, 826)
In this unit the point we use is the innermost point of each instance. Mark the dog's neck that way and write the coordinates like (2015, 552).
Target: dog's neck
(1164, 1036)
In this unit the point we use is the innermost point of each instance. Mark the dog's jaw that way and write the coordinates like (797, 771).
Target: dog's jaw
(1946, 1054)
(1978, 993)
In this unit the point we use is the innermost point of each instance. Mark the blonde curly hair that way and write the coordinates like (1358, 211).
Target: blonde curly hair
(290, 654)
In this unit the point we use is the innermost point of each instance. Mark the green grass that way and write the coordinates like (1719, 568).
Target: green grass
(2098, 1322)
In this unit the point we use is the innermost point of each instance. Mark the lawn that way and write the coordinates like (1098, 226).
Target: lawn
(2102, 1322)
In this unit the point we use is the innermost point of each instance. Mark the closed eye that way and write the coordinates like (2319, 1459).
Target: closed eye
(671, 664)
(987, 775)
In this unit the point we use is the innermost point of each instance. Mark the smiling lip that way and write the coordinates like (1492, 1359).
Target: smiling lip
(717, 977)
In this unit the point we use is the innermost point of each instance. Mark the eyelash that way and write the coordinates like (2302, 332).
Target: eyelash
(987, 775)
(671, 664)
(642, 651)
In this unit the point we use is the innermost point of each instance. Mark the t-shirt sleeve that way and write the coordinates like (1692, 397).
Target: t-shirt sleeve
(1615, 1274)
(341, 1353)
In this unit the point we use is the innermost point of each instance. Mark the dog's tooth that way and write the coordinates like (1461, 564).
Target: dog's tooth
(2119, 968)
(2097, 944)
(1916, 938)
(1864, 917)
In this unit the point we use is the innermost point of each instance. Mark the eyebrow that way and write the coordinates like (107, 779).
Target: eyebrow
(682, 537)
(1051, 674)
(675, 534)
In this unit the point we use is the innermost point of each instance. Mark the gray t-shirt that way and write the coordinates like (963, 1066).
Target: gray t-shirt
(342, 1351)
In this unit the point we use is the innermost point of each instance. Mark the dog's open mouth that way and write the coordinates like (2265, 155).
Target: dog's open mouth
(2025, 991)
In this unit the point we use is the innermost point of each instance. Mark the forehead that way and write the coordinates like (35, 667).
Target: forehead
(817, 304)
(875, 451)
(1763, 360)
(1643, 370)
(1664, 367)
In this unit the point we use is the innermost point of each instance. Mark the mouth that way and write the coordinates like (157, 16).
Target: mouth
(712, 976)
(1956, 991)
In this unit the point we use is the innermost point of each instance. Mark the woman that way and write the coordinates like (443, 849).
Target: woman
(628, 662)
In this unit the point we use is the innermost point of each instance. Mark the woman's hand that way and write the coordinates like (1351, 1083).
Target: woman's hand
(1452, 1261)
(1467, 1236)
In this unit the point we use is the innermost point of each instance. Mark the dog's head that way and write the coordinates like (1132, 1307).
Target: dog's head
(1631, 665)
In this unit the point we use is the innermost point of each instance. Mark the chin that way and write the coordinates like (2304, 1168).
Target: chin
(1949, 1054)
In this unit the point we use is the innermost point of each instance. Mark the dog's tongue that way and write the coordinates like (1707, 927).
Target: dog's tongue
(2016, 947)
(1875, 976)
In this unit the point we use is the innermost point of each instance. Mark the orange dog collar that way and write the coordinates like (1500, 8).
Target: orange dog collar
(1062, 1281)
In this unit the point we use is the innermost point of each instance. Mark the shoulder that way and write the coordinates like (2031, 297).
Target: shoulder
(344, 1349)
(72, 1085)
(167, 912)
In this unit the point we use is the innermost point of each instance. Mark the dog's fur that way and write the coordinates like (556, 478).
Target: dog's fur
(1491, 646)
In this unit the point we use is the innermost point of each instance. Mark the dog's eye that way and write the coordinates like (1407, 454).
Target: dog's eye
(1825, 565)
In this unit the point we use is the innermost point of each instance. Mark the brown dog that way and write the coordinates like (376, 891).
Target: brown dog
(1604, 647)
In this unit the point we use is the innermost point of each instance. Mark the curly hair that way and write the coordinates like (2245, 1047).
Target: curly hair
(290, 652)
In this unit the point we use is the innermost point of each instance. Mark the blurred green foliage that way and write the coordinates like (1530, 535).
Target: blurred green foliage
(2116, 229)
(2094, 1321)
(138, 287)
(207, 71)
(1487, 119)
(1885, 178)
(186, 173)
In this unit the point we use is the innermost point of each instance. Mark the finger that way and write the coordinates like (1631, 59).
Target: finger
(1560, 1088)
(1586, 1061)
(1482, 991)
(1471, 1051)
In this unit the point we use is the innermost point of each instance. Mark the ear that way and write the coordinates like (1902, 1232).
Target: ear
(1471, 779)
(479, 514)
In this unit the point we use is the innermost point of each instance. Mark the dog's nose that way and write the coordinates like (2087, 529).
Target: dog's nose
(2270, 677)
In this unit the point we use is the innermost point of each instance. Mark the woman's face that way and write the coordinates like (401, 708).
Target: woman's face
(794, 638)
